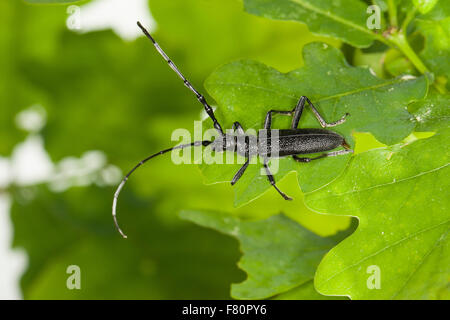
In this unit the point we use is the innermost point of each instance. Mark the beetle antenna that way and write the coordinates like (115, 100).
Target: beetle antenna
(119, 188)
(209, 110)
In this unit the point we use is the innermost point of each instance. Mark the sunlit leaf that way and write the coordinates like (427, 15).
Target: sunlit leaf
(305, 291)
(400, 196)
(432, 113)
(424, 6)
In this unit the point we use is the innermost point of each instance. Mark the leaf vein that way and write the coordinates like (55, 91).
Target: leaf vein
(328, 14)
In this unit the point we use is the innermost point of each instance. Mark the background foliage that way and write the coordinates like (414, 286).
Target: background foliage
(103, 93)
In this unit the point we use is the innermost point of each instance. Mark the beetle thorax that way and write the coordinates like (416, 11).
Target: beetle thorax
(244, 145)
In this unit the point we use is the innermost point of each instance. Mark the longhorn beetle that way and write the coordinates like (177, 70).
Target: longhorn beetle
(290, 142)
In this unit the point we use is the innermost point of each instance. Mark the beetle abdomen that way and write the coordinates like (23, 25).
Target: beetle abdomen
(299, 141)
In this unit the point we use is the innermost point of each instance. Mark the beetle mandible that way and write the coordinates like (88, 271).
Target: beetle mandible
(290, 142)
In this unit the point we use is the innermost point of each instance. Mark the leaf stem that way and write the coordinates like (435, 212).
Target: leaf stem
(411, 14)
(392, 9)
(400, 41)
(399, 38)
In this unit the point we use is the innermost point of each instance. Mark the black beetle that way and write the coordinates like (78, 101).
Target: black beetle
(269, 143)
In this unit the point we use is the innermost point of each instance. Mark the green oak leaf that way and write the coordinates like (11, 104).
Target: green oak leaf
(246, 90)
(278, 253)
(440, 11)
(424, 6)
(436, 53)
(396, 64)
(400, 196)
(432, 113)
(341, 19)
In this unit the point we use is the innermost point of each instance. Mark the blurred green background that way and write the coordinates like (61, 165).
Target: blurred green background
(118, 100)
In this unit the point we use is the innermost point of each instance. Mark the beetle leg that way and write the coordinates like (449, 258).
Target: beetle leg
(237, 127)
(323, 155)
(272, 182)
(241, 171)
(302, 159)
(268, 121)
(298, 112)
(299, 109)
